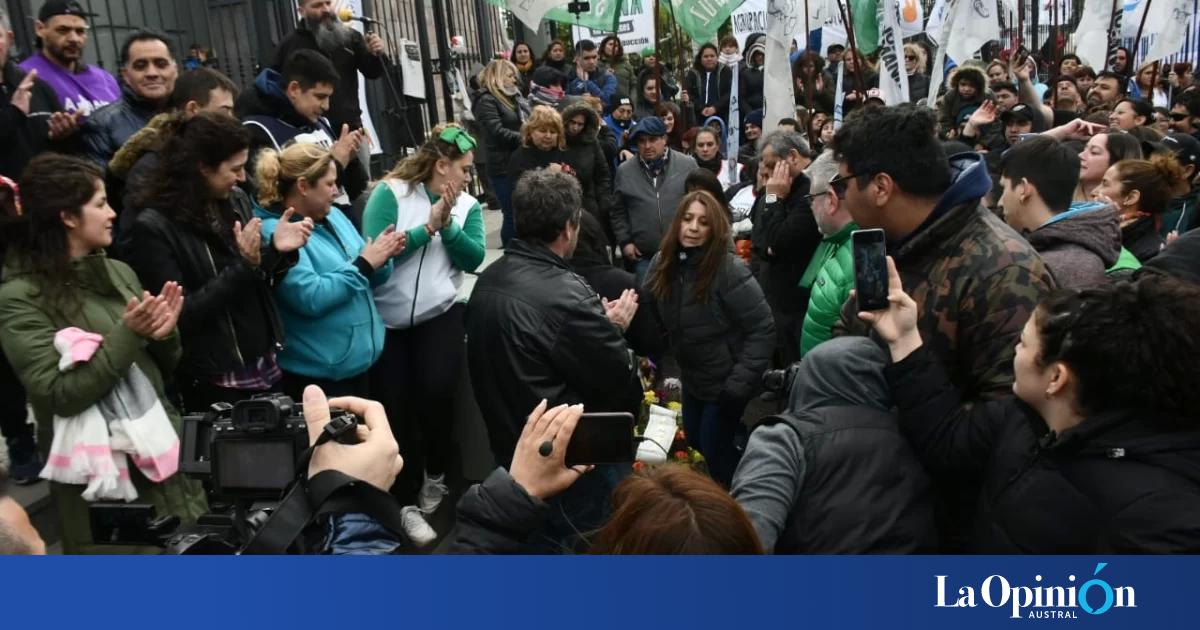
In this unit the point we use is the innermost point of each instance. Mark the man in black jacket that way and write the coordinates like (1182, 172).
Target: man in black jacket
(537, 331)
(148, 73)
(350, 52)
(785, 236)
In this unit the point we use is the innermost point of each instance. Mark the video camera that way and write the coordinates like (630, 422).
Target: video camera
(247, 454)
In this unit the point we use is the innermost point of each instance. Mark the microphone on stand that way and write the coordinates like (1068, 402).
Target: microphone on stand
(348, 16)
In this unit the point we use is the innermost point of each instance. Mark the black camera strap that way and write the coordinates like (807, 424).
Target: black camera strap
(327, 492)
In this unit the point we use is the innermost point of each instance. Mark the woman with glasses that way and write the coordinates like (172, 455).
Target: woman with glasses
(421, 305)
(718, 322)
(915, 62)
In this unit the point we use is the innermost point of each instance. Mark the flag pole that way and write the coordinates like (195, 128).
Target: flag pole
(1137, 45)
(848, 18)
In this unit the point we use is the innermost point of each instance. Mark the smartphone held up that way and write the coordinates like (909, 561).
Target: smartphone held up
(870, 269)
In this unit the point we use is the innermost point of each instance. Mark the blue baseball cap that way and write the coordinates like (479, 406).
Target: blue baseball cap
(648, 126)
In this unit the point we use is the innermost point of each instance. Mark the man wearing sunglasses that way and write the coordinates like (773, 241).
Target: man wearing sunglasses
(1184, 112)
(975, 280)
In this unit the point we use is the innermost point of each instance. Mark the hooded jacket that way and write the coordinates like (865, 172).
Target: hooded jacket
(112, 125)
(1181, 215)
(1117, 483)
(332, 329)
(1079, 245)
(831, 475)
(724, 341)
(952, 103)
(975, 282)
(129, 173)
(349, 60)
(750, 82)
(274, 123)
(586, 157)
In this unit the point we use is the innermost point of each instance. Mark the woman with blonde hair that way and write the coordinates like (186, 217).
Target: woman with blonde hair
(718, 322)
(421, 305)
(332, 331)
(543, 144)
(1142, 89)
(499, 111)
(916, 60)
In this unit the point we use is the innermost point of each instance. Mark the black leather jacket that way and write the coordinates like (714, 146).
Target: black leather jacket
(108, 129)
(536, 330)
(229, 319)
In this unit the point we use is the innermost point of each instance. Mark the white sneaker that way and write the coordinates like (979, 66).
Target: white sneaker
(433, 490)
(415, 526)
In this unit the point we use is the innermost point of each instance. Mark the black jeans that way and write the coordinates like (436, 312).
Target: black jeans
(416, 379)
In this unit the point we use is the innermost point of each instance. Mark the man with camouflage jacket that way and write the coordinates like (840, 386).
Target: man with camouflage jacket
(975, 280)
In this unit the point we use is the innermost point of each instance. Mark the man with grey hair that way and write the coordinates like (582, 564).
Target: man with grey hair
(320, 29)
(537, 331)
(830, 274)
(785, 236)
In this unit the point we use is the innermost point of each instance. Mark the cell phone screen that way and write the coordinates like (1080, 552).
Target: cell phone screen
(870, 269)
(602, 438)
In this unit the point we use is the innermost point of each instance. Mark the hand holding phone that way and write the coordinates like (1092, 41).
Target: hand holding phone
(538, 461)
(896, 322)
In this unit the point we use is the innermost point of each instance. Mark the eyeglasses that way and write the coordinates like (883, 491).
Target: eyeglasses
(459, 138)
(1175, 116)
(841, 183)
(910, 57)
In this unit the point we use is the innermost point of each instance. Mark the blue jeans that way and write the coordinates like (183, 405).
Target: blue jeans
(640, 268)
(502, 187)
(711, 428)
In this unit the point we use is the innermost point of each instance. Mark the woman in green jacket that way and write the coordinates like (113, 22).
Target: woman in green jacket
(56, 276)
(612, 56)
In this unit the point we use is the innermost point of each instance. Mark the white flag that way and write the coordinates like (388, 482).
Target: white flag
(938, 72)
(973, 23)
(1091, 38)
(912, 17)
(893, 79)
(779, 97)
(531, 12)
(1172, 18)
(839, 102)
(937, 19)
(735, 122)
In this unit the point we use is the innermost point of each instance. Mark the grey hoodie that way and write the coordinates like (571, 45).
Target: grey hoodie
(1079, 245)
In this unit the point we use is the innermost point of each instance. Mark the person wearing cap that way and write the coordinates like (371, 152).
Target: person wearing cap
(751, 132)
(62, 29)
(649, 188)
(1181, 215)
(1017, 121)
(31, 119)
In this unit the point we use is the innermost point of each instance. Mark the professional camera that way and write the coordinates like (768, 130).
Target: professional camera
(247, 455)
(780, 381)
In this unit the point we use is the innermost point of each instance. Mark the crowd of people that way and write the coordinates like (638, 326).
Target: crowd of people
(173, 242)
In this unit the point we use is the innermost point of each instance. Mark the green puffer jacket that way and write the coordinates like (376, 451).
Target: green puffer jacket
(834, 277)
(27, 329)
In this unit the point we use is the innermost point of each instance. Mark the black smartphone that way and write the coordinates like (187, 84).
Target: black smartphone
(602, 438)
(870, 269)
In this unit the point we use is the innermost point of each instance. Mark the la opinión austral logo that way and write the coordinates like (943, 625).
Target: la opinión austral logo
(1040, 600)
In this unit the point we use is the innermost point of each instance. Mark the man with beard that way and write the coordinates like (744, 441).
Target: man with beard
(351, 53)
(1106, 91)
(62, 28)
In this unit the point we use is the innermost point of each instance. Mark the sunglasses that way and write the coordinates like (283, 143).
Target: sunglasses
(910, 58)
(1175, 116)
(459, 138)
(841, 183)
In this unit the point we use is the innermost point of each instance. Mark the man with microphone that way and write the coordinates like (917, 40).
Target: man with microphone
(320, 29)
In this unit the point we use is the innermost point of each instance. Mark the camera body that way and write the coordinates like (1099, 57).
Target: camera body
(578, 8)
(250, 450)
(780, 381)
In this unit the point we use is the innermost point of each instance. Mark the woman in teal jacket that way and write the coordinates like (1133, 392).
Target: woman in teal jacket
(332, 331)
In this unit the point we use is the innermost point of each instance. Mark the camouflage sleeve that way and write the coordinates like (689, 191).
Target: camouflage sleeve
(992, 315)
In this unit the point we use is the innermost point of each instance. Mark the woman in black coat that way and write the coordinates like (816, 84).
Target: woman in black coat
(586, 157)
(708, 85)
(498, 114)
(719, 324)
(1099, 450)
(543, 144)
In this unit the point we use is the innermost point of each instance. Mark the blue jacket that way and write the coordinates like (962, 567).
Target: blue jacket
(331, 327)
(603, 85)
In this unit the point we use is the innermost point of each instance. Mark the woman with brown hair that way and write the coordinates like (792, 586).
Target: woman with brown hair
(718, 322)
(1141, 190)
(675, 121)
